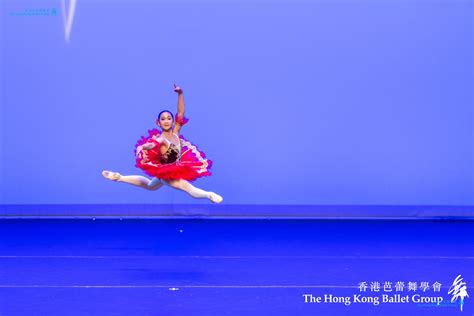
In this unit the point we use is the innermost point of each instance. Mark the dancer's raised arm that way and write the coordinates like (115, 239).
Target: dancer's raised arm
(180, 114)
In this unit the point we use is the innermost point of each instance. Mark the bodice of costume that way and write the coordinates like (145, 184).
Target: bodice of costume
(171, 155)
(182, 159)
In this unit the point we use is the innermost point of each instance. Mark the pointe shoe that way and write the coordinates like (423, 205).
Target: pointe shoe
(215, 198)
(111, 175)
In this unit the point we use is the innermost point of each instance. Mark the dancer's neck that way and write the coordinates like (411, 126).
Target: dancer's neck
(168, 133)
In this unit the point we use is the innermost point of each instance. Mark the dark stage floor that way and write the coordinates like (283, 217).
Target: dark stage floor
(232, 267)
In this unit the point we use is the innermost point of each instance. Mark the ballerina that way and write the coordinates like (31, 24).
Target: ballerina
(169, 158)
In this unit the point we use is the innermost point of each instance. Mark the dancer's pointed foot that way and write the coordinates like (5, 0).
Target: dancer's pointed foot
(215, 198)
(111, 175)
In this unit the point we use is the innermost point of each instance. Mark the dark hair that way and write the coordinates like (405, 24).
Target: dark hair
(164, 111)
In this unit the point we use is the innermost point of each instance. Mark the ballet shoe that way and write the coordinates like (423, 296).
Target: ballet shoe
(215, 198)
(114, 176)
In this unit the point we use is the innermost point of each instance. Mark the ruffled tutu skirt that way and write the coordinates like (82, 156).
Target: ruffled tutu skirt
(190, 165)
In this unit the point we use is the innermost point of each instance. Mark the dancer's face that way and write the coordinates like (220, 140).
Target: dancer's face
(166, 121)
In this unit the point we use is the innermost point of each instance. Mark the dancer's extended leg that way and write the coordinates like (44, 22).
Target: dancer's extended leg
(141, 181)
(197, 193)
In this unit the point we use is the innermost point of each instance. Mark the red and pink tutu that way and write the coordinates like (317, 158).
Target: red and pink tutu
(190, 164)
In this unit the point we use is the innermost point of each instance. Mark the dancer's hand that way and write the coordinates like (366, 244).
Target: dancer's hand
(160, 139)
(139, 151)
(177, 89)
(148, 146)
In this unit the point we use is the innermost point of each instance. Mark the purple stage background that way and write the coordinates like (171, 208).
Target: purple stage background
(297, 103)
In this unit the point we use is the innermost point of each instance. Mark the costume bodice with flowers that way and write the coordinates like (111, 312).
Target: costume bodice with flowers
(171, 155)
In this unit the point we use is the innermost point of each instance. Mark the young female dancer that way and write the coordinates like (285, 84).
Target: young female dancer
(169, 158)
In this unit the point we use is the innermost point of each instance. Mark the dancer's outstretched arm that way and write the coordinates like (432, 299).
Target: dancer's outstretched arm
(179, 91)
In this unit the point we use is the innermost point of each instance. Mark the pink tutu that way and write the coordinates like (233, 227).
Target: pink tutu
(190, 164)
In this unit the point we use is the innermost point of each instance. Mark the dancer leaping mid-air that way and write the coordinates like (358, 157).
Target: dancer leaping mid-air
(169, 158)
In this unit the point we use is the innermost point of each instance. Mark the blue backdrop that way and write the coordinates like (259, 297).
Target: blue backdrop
(296, 102)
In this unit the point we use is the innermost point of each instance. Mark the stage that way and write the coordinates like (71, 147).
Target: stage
(237, 211)
(337, 137)
(207, 266)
